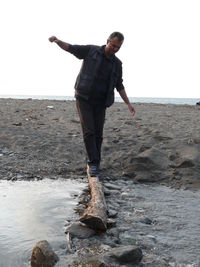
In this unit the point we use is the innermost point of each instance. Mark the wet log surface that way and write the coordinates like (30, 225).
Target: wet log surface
(95, 215)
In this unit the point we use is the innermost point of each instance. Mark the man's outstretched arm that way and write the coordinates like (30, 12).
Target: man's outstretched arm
(126, 100)
(61, 44)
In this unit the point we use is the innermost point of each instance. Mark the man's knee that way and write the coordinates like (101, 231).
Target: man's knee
(88, 134)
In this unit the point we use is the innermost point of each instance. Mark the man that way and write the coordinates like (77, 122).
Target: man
(100, 74)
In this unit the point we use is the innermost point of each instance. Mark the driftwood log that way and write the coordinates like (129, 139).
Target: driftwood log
(95, 215)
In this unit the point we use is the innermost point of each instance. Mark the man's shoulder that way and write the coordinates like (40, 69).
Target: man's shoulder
(95, 50)
(94, 47)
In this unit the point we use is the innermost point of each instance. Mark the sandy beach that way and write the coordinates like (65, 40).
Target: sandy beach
(42, 138)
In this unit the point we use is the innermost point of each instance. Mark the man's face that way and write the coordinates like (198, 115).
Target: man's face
(112, 46)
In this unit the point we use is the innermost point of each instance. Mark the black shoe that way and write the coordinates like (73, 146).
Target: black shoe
(93, 170)
(198, 103)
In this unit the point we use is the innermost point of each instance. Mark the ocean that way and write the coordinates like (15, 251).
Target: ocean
(157, 100)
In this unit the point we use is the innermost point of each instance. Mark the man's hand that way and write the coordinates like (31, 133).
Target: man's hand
(126, 100)
(52, 39)
(131, 109)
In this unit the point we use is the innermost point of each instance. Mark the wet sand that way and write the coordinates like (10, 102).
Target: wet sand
(43, 139)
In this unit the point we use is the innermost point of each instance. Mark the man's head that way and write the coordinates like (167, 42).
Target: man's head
(114, 43)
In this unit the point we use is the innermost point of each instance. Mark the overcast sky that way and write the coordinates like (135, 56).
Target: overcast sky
(160, 54)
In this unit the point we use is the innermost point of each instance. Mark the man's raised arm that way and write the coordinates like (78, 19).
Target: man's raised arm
(61, 44)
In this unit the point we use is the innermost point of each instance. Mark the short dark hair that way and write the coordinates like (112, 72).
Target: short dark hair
(119, 36)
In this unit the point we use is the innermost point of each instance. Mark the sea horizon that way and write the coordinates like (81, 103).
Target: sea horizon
(153, 100)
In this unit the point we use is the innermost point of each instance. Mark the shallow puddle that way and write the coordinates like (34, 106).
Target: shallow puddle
(162, 220)
(31, 211)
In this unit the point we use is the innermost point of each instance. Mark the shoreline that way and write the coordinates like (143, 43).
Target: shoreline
(144, 100)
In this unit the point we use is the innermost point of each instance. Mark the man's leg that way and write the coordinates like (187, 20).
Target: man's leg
(86, 114)
(99, 119)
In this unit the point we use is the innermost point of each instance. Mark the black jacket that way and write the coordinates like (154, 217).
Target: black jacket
(89, 70)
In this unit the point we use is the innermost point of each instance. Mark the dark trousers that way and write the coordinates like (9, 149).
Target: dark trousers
(92, 119)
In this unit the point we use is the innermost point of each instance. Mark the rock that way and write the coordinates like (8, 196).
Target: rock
(154, 260)
(112, 213)
(113, 232)
(112, 186)
(80, 230)
(124, 254)
(114, 192)
(146, 220)
(111, 223)
(43, 255)
(114, 257)
(126, 195)
(106, 192)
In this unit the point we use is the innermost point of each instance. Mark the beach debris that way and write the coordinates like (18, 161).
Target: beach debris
(68, 242)
(17, 124)
(50, 107)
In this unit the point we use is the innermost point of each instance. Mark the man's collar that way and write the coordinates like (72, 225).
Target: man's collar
(103, 52)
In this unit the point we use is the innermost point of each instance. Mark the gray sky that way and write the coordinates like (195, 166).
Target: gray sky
(160, 54)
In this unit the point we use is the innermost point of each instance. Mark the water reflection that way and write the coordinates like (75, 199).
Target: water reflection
(33, 211)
